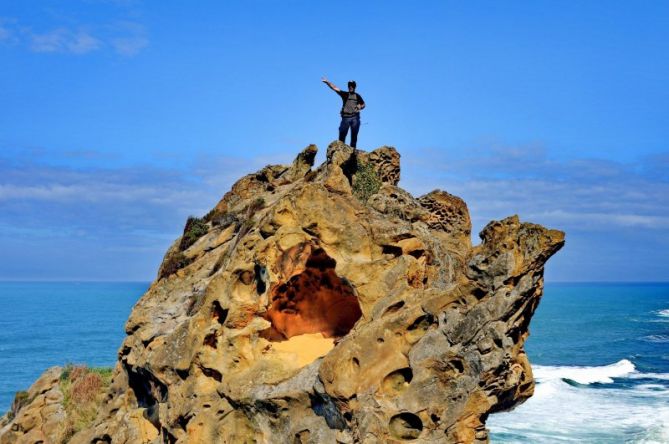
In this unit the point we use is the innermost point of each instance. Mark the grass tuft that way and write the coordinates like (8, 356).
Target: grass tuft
(366, 182)
(195, 228)
(83, 391)
(22, 398)
(173, 263)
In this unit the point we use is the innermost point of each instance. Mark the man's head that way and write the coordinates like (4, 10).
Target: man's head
(351, 86)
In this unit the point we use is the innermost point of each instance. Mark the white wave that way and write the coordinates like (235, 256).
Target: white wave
(656, 338)
(664, 313)
(560, 412)
(660, 376)
(584, 375)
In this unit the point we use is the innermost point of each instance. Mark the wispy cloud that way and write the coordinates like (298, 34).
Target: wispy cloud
(109, 200)
(132, 40)
(8, 32)
(577, 194)
(581, 194)
(132, 213)
(129, 46)
(5, 33)
(64, 40)
(125, 38)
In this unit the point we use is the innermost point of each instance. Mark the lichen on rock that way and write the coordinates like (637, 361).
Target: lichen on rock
(302, 314)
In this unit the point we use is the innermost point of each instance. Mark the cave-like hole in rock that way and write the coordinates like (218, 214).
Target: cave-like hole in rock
(148, 389)
(105, 439)
(406, 426)
(397, 381)
(311, 309)
(219, 313)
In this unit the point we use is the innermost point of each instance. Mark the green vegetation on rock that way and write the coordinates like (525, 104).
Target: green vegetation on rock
(257, 204)
(20, 399)
(83, 389)
(366, 182)
(195, 228)
(173, 263)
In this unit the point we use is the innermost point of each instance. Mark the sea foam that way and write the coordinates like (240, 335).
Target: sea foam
(584, 375)
(589, 412)
(664, 313)
(656, 338)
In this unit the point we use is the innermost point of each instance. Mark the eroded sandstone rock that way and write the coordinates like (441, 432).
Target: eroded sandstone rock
(41, 416)
(306, 316)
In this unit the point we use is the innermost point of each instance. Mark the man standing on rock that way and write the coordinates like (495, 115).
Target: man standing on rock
(352, 103)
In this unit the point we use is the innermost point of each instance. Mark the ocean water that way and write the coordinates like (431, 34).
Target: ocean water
(43, 324)
(600, 354)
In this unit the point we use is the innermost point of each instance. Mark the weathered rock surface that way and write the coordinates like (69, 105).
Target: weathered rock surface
(41, 417)
(304, 315)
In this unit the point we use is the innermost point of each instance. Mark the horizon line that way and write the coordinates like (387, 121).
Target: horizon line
(106, 281)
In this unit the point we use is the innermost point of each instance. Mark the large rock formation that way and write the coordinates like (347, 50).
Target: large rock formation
(325, 306)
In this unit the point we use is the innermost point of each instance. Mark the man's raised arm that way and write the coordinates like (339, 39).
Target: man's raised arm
(330, 84)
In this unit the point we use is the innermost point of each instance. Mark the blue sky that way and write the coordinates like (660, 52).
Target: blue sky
(121, 118)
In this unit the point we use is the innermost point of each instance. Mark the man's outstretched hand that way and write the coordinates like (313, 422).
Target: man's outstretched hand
(330, 84)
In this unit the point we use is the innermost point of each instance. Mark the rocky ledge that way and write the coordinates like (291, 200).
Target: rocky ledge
(321, 305)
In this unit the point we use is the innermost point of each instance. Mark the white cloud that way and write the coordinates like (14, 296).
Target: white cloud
(52, 41)
(129, 46)
(604, 219)
(124, 38)
(585, 195)
(93, 191)
(130, 38)
(605, 208)
(5, 34)
(82, 42)
(64, 40)
(8, 33)
(103, 201)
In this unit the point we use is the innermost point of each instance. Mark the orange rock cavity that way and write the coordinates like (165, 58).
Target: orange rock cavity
(313, 301)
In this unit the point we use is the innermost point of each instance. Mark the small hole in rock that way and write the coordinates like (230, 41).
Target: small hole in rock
(260, 274)
(479, 293)
(211, 373)
(183, 421)
(422, 323)
(219, 313)
(392, 250)
(246, 277)
(419, 327)
(393, 308)
(406, 426)
(210, 340)
(397, 381)
(302, 437)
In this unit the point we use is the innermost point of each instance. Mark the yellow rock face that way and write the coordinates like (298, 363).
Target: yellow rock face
(305, 315)
(304, 349)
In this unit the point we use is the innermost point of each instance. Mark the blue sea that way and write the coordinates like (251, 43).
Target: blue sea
(43, 324)
(600, 354)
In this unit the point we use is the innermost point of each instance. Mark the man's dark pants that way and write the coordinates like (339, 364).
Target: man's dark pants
(354, 123)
